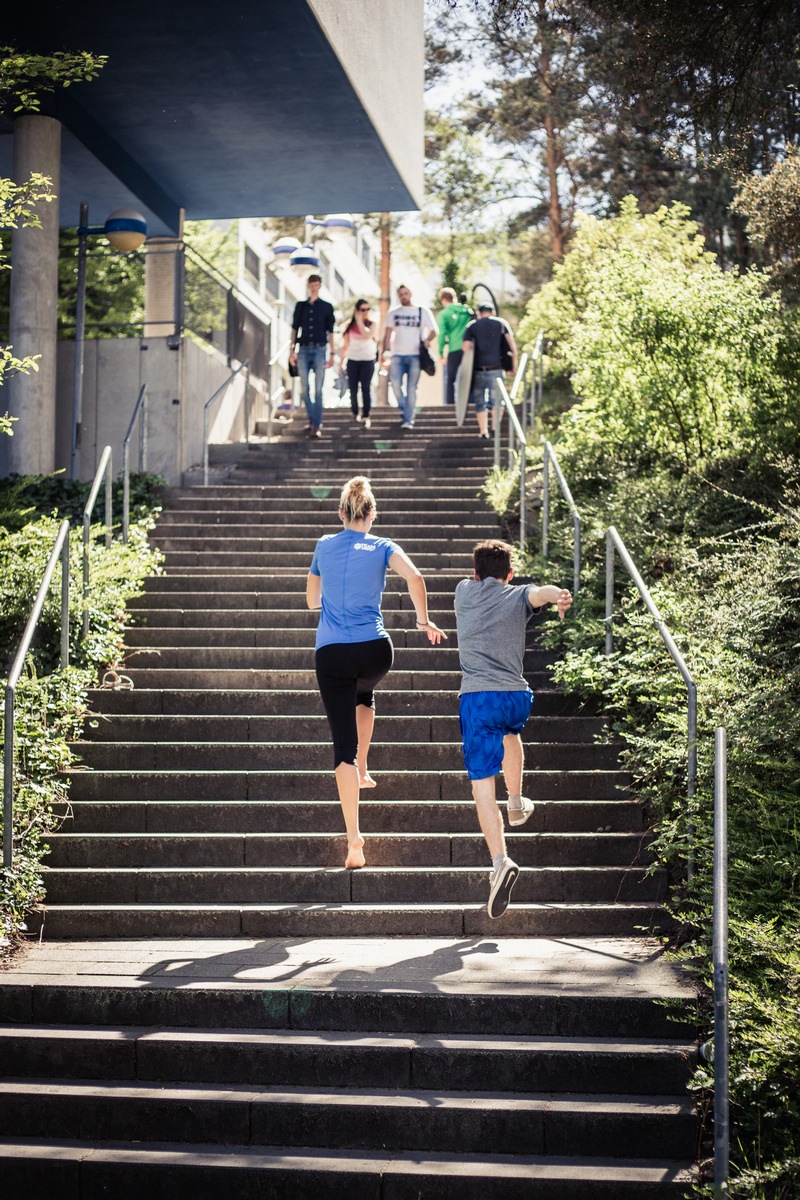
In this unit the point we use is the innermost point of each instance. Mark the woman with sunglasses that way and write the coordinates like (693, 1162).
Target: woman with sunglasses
(359, 348)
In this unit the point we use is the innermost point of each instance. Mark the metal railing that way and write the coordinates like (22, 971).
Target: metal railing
(278, 391)
(532, 398)
(103, 468)
(550, 457)
(60, 550)
(519, 434)
(140, 409)
(614, 542)
(223, 387)
(518, 380)
(720, 957)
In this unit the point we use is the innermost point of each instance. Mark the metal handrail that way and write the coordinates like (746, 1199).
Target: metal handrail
(720, 957)
(523, 462)
(103, 468)
(536, 381)
(614, 541)
(278, 353)
(139, 407)
(551, 457)
(60, 550)
(208, 404)
(518, 378)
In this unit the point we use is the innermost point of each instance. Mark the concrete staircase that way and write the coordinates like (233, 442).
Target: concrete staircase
(255, 1045)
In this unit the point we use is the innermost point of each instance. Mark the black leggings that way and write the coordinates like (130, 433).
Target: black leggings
(347, 674)
(360, 373)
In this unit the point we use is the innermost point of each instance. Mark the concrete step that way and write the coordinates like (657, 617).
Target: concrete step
(314, 1058)
(160, 674)
(318, 785)
(379, 817)
(208, 535)
(229, 620)
(357, 1118)
(125, 727)
(320, 515)
(316, 755)
(334, 885)
(320, 849)
(287, 560)
(296, 701)
(39, 1170)
(265, 657)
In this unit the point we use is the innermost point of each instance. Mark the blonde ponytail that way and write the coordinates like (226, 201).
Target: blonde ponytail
(357, 500)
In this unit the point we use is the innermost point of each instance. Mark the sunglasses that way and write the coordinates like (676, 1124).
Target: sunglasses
(363, 308)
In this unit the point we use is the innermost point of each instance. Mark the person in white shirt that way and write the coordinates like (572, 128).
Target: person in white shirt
(406, 326)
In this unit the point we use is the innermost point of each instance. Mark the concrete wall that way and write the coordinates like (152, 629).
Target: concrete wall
(382, 49)
(178, 384)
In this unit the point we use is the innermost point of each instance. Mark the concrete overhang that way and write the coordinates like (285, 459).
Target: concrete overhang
(254, 108)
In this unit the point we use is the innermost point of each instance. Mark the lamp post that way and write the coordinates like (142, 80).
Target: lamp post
(486, 288)
(125, 230)
(303, 259)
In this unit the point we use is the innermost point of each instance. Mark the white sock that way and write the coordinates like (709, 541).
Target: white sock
(515, 801)
(497, 862)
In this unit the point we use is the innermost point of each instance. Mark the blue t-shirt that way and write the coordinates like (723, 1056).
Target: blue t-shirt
(352, 567)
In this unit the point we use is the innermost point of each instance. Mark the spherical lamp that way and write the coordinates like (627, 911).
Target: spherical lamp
(284, 248)
(304, 261)
(126, 229)
(339, 226)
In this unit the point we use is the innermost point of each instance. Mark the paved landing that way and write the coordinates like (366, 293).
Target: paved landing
(481, 965)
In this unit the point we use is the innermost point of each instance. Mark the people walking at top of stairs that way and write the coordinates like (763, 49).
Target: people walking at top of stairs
(495, 700)
(354, 652)
(495, 351)
(358, 353)
(452, 320)
(406, 326)
(312, 349)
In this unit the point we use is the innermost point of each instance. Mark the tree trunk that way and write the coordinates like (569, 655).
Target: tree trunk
(385, 302)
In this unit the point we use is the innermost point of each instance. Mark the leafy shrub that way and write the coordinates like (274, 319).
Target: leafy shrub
(51, 702)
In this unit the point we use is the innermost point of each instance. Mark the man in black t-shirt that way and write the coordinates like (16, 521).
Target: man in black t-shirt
(312, 349)
(491, 339)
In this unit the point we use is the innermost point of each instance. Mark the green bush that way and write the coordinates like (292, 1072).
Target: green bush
(51, 702)
(685, 437)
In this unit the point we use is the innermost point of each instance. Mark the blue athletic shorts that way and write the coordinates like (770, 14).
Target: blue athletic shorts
(486, 717)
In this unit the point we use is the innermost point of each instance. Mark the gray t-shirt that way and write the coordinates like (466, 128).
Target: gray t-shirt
(490, 619)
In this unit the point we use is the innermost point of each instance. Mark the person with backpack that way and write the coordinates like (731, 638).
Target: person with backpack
(495, 352)
(407, 326)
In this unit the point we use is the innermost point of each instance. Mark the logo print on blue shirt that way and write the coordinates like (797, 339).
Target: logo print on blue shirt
(363, 546)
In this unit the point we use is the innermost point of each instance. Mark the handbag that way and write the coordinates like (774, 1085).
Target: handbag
(506, 354)
(294, 370)
(426, 361)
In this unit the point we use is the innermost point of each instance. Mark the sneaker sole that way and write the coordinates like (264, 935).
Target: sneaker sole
(498, 901)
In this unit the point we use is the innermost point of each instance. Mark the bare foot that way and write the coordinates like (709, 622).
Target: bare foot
(366, 780)
(355, 855)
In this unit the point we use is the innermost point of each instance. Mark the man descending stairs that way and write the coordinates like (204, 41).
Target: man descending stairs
(219, 1008)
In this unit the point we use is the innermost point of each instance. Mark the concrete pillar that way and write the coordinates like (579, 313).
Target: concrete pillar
(34, 291)
(161, 258)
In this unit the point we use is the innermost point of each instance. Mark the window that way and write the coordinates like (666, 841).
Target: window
(366, 257)
(272, 284)
(252, 266)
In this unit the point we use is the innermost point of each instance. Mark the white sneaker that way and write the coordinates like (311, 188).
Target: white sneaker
(407, 425)
(359, 417)
(518, 816)
(367, 423)
(501, 882)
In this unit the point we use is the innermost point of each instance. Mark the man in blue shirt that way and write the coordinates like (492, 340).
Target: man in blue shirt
(312, 332)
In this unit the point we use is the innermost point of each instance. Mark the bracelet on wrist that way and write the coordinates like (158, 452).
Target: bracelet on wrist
(423, 623)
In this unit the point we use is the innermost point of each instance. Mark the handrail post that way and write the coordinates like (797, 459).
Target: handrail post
(523, 474)
(247, 405)
(8, 780)
(720, 955)
(60, 550)
(546, 501)
(609, 647)
(576, 553)
(104, 468)
(65, 604)
(205, 446)
(140, 412)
